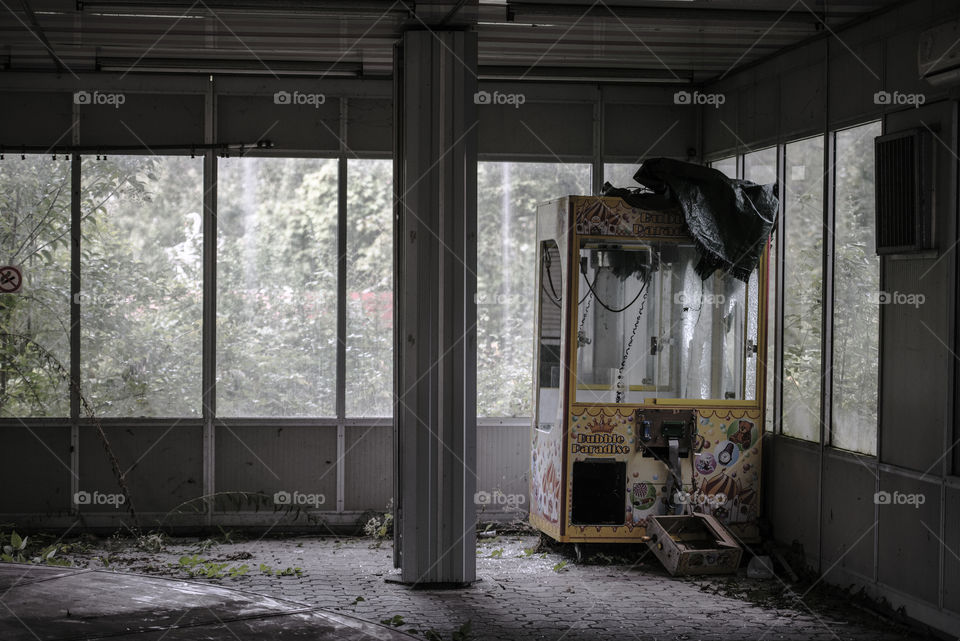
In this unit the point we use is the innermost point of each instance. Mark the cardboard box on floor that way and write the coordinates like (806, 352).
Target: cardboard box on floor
(694, 544)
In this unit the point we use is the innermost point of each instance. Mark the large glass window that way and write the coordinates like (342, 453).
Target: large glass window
(507, 198)
(620, 174)
(35, 323)
(141, 288)
(856, 319)
(803, 288)
(369, 302)
(277, 287)
(727, 165)
(761, 167)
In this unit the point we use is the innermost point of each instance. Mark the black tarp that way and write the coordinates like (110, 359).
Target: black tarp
(730, 220)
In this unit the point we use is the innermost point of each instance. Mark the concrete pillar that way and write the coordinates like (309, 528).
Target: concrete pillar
(436, 261)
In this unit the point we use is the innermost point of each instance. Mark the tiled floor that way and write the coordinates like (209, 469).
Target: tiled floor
(524, 594)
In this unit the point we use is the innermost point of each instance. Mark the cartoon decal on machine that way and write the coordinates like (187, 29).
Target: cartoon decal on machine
(648, 377)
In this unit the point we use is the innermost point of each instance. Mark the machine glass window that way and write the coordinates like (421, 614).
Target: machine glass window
(549, 332)
(142, 290)
(649, 327)
(856, 319)
(507, 197)
(803, 288)
(35, 323)
(369, 375)
(277, 287)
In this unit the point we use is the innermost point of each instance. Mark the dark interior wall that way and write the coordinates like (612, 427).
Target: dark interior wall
(819, 497)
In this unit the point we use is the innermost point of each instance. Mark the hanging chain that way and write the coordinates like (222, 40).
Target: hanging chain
(626, 352)
(581, 335)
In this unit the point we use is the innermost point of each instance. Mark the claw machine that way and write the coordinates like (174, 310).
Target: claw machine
(648, 380)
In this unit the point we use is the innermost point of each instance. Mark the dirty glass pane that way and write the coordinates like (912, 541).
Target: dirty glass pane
(142, 285)
(35, 323)
(507, 198)
(621, 174)
(727, 165)
(803, 287)
(369, 288)
(761, 167)
(856, 319)
(277, 287)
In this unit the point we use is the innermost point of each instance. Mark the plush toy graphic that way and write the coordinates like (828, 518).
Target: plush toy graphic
(742, 436)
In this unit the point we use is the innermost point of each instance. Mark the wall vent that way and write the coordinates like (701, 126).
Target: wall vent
(904, 192)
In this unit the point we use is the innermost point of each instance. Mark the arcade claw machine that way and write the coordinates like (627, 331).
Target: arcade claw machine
(648, 379)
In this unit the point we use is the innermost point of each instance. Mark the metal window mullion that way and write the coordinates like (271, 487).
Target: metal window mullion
(780, 280)
(599, 124)
(826, 347)
(75, 218)
(208, 376)
(341, 375)
(826, 301)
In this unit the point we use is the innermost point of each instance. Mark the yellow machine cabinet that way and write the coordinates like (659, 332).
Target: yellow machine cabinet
(648, 380)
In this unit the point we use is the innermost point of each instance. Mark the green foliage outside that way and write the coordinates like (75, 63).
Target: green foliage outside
(508, 195)
(856, 317)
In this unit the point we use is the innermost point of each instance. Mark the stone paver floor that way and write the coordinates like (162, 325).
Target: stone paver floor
(525, 593)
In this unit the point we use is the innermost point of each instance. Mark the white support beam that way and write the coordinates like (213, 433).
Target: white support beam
(436, 238)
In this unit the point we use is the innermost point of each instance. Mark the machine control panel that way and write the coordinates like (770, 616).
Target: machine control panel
(655, 428)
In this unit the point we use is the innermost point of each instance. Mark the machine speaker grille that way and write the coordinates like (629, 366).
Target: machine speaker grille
(903, 193)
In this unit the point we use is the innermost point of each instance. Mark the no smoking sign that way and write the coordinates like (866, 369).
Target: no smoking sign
(11, 279)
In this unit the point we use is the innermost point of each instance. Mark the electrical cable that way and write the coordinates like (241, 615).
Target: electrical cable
(646, 282)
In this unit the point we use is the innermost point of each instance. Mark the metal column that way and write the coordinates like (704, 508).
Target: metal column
(436, 259)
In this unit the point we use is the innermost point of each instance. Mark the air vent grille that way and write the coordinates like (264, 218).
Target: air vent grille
(903, 192)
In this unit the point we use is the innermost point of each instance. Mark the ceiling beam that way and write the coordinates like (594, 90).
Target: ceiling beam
(523, 11)
(40, 35)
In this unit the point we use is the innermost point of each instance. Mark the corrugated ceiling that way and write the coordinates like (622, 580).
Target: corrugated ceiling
(625, 41)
